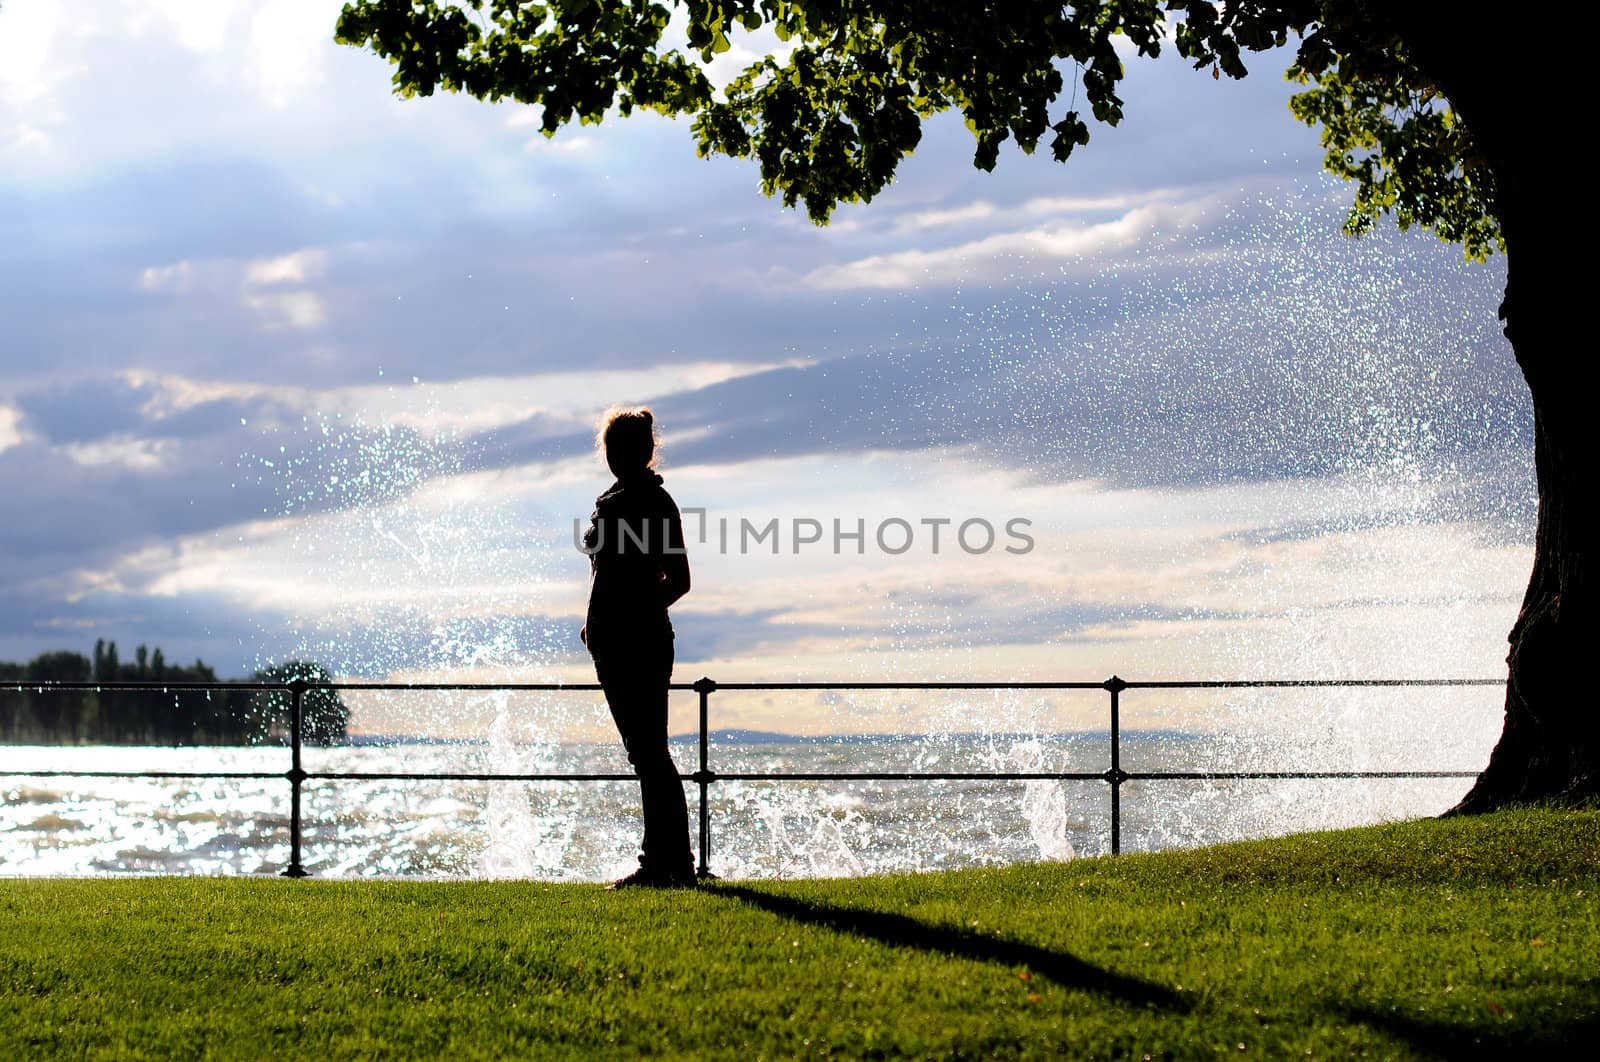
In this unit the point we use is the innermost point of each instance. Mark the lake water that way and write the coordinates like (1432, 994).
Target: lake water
(575, 831)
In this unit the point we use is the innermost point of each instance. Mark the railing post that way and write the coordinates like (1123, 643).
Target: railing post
(296, 775)
(1115, 774)
(704, 687)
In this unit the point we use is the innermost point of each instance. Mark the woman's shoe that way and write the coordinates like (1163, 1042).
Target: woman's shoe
(644, 878)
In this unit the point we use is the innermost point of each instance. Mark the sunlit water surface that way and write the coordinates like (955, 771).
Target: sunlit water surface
(578, 831)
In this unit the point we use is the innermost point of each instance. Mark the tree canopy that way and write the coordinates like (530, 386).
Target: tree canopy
(157, 716)
(831, 112)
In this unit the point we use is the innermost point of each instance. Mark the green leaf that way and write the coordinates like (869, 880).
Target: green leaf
(830, 123)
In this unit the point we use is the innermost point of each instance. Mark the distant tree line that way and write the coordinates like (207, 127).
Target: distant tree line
(156, 717)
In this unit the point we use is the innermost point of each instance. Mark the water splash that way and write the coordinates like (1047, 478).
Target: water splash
(1044, 803)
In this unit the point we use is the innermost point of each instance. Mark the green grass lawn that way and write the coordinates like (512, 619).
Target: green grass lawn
(1433, 938)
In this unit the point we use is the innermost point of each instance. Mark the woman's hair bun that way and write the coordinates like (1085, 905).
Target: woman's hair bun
(648, 417)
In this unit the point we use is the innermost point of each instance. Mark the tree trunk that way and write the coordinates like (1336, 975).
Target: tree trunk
(1515, 97)
(1550, 747)
(1549, 750)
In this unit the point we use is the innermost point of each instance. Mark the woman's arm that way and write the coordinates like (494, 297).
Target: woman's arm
(674, 579)
(674, 562)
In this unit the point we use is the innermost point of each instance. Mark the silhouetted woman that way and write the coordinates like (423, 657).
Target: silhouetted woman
(638, 568)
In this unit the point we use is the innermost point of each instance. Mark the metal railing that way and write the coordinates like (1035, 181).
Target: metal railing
(704, 777)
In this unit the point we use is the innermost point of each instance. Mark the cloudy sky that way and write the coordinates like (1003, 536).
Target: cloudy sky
(295, 368)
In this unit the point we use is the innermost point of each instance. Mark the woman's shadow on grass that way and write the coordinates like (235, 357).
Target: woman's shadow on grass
(902, 931)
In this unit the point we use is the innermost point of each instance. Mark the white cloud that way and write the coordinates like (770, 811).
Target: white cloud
(566, 398)
(289, 44)
(289, 309)
(1026, 212)
(744, 48)
(571, 400)
(35, 62)
(224, 277)
(562, 144)
(294, 268)
(174, 279)
(929, 219)
(199, 25)
(10, 428)
(1067, 204)
(993, 257)
(30, 137)
(28, 37)
(139, 455)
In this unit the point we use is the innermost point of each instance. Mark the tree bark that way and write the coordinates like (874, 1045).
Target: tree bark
(1548, 749)
(1515, 97)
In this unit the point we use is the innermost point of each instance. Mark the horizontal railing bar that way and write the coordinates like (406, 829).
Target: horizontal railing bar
(144, 687)
(591, 687)
(908, 776)
(312, 776)
(536, 687)
(892, 776)
(253, 686)
(1202, 776)
(825, 686)
(378, 776)
(759, 776)
(1127, 684)
(1227, 684)
(1070, 776)
(279, 775)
